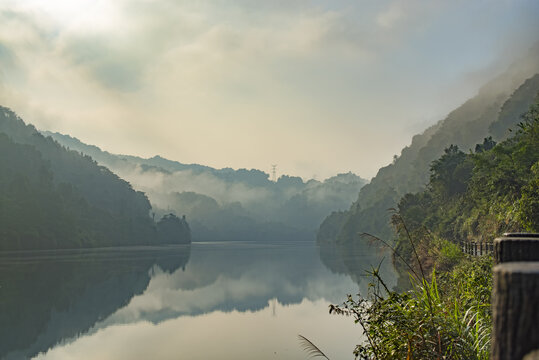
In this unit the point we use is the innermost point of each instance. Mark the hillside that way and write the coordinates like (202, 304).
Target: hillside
(490, 113)
(51, 197)
(475, 196)
(228, 204)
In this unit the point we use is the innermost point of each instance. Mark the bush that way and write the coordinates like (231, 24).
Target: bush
(450, 320)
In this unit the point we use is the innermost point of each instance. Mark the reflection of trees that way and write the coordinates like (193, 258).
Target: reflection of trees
(47, 297)
(241, 277)
(355, 259)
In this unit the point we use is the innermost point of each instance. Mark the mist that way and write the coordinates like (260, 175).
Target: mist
(228, 204)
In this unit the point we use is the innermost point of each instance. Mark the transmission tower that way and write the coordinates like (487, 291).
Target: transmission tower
(274, 172)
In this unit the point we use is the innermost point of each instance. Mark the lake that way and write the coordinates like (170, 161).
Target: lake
(233, 300)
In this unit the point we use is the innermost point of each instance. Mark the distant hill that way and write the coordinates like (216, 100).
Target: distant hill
(490, 113)
(228, 204)
(51, 197)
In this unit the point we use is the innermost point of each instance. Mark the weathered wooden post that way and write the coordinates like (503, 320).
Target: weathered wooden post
(516, 247)
(515, 296)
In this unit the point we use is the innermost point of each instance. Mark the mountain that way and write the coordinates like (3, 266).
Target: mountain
(51, 197)
(228, 204)
(490, 113)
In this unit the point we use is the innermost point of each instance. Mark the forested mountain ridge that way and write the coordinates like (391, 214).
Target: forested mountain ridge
(488, 113)
(158, 163)
(473, 196)
(228, 204)
(51, 197)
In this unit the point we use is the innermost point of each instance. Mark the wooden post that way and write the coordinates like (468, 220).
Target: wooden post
(515, 316)
(516, 247)
(515, 296)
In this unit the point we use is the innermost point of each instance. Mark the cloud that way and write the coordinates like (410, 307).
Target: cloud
(299, 83)
(391, 15)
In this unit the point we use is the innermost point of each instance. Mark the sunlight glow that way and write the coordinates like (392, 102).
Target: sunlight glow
(78, 15)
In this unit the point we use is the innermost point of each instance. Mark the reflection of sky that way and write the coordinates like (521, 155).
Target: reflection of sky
(231, 301)
(270, 333)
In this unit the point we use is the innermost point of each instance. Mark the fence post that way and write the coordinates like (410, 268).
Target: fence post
(515, 296)
(516, 247)
(514, 310)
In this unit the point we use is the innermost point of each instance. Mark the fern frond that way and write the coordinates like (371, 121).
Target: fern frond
(311, 349)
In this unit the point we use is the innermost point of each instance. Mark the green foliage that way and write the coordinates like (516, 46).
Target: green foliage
(446, 317)
(171, 229)
(51, 197)
(512, 109)
(529, 202)
(450, 254)
(496, 108)
(469, 196)
(477, 196)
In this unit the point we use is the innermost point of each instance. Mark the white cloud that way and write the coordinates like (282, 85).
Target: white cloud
(300, 84)
(391, 15)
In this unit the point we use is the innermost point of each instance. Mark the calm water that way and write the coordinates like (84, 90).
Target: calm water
(204, 301)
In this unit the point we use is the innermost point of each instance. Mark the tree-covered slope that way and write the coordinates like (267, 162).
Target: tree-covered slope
(51, 197)
(479, 195)
(508, 94)
(228, 204)
(473, 196)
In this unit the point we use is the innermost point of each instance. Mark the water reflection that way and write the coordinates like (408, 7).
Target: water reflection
(357, 260)
(231, 301)
(48, 296)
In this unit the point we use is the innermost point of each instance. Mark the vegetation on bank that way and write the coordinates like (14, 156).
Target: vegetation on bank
(496, 108)
(444, 317)
(474, 196)
(52, 197)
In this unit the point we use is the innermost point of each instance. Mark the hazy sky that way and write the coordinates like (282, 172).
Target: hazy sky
(317, 87)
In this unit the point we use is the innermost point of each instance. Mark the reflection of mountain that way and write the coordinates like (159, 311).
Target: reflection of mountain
(234, 276)
(47, 297)
(244, 277)
(55, 297)
(356, 259)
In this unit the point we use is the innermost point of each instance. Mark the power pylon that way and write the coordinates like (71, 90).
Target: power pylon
(274, 172)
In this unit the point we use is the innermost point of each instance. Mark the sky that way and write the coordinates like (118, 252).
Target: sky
(316, 87)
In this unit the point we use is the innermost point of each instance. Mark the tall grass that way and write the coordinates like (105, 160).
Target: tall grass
(442, 316)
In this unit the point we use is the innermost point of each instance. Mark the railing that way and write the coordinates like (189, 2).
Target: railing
(477, 248)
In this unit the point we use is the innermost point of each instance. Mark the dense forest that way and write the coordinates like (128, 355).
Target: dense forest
(477, 195)
(228, 204)
(52, 197)
(495, 109)
(441, 307)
